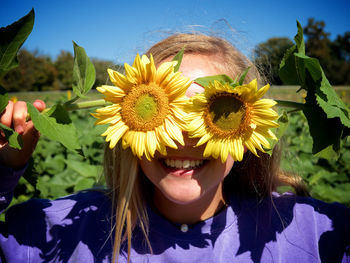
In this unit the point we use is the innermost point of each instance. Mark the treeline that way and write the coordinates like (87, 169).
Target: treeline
(40, 73)
(334, 56)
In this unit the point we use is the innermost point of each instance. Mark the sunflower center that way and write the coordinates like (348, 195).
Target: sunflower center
(226, 114)
(145, 107)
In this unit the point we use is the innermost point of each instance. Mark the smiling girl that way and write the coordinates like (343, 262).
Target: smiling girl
(193, 187)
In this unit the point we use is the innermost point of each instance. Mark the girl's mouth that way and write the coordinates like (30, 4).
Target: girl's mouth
(182, 166)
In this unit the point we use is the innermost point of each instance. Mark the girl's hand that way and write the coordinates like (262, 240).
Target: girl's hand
(14, 116)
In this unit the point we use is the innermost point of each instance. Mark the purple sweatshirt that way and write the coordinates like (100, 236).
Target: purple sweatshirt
(76, 228)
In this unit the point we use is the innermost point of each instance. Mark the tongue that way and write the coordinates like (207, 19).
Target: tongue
(180, 172)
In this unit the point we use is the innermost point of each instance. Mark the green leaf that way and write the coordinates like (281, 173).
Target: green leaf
(288, 72)
(220, 78)
(340, 193)
(299, 39)
(329, 101)
(84, 183)
(84, 73)
(178, 58)
(84, 169)
(242, 77)
(56, 125)
(12, 38)
(14, 139)
(291, 70)
(4, 99)
(283, 124)
(328, 153)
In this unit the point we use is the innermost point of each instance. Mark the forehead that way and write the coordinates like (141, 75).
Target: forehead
(197, 66)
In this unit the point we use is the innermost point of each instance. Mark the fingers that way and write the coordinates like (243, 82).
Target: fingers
(39, 105)
(19, 116)
(6, 117)
(15, 114)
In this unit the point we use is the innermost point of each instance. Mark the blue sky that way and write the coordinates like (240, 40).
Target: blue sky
(117, 30)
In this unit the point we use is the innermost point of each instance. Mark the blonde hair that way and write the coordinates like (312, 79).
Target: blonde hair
(253, 176)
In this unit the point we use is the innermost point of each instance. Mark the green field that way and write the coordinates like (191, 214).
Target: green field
(275, 92)
(290, 93)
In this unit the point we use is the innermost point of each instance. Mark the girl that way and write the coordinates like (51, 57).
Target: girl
(171, 204)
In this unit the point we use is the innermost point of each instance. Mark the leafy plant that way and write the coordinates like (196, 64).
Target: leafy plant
(323, 108)
(328, 180)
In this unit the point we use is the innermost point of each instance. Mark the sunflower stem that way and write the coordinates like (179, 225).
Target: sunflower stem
(72, 100)
(290, 104)
(79, 106)
(86, 105)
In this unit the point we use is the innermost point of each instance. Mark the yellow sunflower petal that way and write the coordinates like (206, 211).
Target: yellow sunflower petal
(145, 60)
(261, 92)
(131, 74)
(265, 113)
(224, 150)
(212, 149)
(264, 103)
(265, 122)
(118, 133)
(119, 80)
(164, 73)
(138, 144)
(251, 147)
(206, 137)
(165, 138)
(108, 119)
(151, 143)
(174, 131)
(111, 91)
(139, 66)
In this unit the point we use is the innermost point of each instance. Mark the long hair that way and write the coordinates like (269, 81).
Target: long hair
(253, 176)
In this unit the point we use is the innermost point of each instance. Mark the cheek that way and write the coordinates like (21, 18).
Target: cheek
(148, 169)
(228, 164)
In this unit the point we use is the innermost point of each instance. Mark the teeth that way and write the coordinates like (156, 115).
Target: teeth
(183, 164)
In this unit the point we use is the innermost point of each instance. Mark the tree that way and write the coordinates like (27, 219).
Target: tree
(317, 41)
(101, 67)
(334, 56)
(64, 66)
(34, 73)
(268, 55)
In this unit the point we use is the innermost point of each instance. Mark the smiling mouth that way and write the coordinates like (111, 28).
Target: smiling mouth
(183, 164)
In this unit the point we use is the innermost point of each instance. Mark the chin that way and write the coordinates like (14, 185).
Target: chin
(180, 193)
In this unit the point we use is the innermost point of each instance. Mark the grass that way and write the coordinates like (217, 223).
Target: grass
(290, 93)
(275, 92)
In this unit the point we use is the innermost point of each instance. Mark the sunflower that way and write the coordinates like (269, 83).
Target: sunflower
(228, 119)
(147, 107)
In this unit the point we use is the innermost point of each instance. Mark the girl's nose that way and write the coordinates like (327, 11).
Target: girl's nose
(189, 142)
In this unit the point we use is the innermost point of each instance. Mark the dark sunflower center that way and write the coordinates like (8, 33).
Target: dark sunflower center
(226, 114)
(145, 107)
